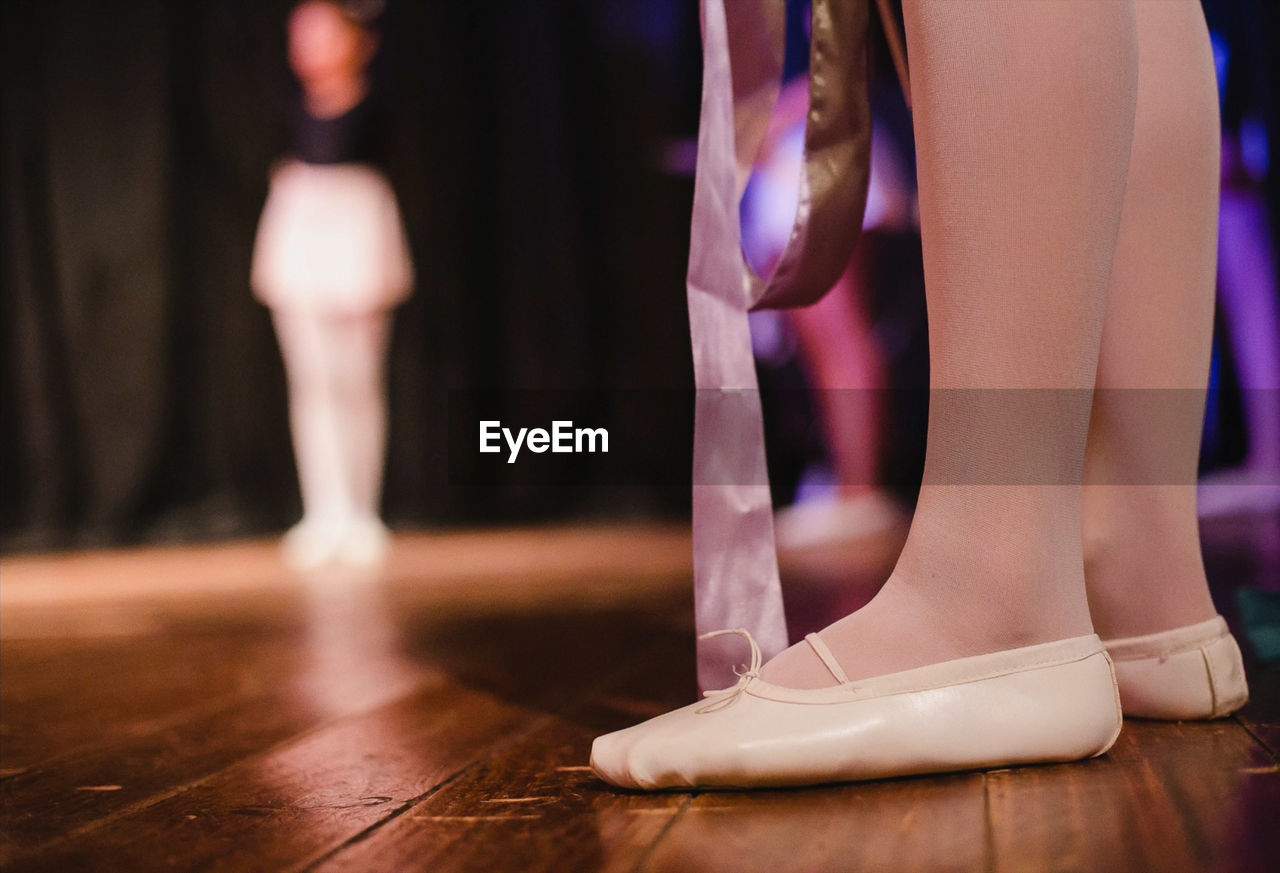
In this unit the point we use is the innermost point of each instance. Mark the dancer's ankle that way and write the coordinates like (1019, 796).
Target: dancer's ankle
(1143, 568)
(915, 622)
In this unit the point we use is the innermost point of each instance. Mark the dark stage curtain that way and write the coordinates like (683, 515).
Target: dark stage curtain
(143, 395)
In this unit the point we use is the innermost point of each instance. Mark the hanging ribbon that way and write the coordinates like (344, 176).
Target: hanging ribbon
(735, 561)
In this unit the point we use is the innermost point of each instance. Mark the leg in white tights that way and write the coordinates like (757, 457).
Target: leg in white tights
(360, 385)
(338, 412)
(1024, 116)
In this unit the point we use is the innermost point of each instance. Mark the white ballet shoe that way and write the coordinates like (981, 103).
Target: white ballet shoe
(1043, 703)
(310, 544)
(365, 544)
(1191, 672)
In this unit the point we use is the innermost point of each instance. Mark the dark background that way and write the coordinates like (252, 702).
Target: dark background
(541, 151)
(143, 394)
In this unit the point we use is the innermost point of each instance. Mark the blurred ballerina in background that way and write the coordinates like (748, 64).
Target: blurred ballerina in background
(331, 261)
(843, 357)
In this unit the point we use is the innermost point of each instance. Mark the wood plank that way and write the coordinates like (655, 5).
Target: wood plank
(1261, 716)
(88, 695)
(1168, 797)
(74, 708)
(923, 824)
(516, 657)
(368, 668)
(532, 808)
(97, 784)
(249, 732)
(547, 658)
(68, 688)
(535, 805)
(300, 801)
(69, 696)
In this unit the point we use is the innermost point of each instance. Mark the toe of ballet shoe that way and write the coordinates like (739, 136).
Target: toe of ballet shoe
(366, 544)
(1188, 673)
(1052, 702)
(609, 760)
(651, 755)
(309, 545)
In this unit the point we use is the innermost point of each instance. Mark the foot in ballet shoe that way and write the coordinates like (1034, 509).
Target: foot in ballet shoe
(310, 544)
(1192, 672)
(366, 543)
(1037, 704)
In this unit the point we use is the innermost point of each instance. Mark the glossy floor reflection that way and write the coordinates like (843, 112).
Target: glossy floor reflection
(202, 709)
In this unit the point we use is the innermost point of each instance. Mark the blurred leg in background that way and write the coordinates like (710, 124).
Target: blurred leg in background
(338, 413)
(845, 360)
(842, 358)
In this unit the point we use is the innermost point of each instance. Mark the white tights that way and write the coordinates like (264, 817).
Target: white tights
(338, 411)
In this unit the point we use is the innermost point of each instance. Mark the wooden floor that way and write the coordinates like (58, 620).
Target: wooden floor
(201, 709)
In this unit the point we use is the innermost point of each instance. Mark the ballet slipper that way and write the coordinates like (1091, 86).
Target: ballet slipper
(1192, 672)
(365, 544)
(310, 544)
(1044, 703)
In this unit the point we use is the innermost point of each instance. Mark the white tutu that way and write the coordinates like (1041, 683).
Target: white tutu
(331, 239)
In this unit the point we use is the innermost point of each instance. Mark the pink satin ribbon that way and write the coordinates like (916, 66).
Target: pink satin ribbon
(735, 560)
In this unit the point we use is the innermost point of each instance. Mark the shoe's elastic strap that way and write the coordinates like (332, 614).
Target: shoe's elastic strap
(824, 654)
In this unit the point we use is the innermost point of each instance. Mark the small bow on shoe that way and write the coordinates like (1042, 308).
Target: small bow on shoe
(732, 694)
